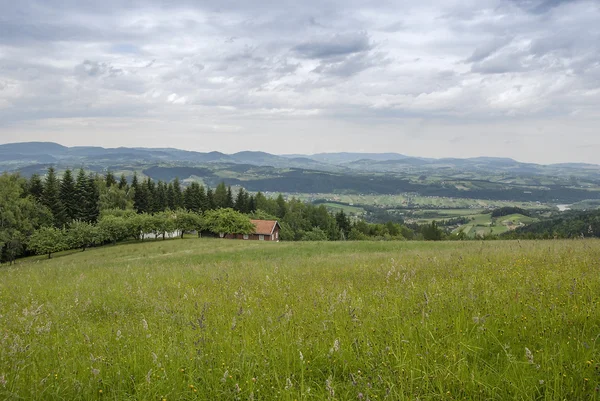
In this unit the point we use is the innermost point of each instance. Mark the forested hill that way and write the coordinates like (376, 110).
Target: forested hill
(571, 224)
(485, 178)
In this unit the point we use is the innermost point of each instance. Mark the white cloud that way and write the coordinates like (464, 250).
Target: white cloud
(352, 76)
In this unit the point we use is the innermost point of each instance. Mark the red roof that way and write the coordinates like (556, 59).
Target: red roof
(264, 227)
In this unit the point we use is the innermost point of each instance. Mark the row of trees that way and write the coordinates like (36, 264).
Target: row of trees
(110, 210)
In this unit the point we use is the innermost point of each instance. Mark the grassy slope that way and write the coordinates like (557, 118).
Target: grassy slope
(213, 319)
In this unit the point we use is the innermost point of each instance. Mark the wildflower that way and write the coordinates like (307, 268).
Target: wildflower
(329, 386)
(95, 371)
(3, 381)
(144, 324)
(301, 356)
(529, 355)
(288, 384)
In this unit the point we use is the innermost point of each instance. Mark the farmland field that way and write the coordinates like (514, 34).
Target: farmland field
(217, 319)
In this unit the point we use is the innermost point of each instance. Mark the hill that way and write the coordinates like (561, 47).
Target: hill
(330, 173)
(222, 319)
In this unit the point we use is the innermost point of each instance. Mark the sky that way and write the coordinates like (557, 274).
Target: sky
(452, 78)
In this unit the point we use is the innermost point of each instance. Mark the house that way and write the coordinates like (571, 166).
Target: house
(266, 230)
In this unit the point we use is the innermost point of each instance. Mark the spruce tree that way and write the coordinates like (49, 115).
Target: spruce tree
(220, 196)
(210, 199)
(123, 182)
(81, 196)
(203, 199)
(161, 202)
(35, 187)
(110, 179)
(68, 195)
(93, 198)
(240, 201)
(171, 197)
(177, 194)
(51, 198)
(229, 201)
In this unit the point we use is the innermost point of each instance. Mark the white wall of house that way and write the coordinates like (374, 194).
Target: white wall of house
(174, 234)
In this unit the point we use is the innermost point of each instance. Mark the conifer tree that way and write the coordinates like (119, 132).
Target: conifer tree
(160, 197)
(220, 196)
(177, 194)
(210, 199)
(229, 203)
(93, 198)
(170, 196)
(68, 195)
(51, 198)
(240, 202)
(123, 182)
(81, 196)
(35, 187)
(110, 179)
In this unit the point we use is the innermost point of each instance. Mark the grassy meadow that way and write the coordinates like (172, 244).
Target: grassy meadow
(209, 319)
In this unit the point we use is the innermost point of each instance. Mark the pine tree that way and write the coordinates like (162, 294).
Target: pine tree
(51, 198)
(68, 196)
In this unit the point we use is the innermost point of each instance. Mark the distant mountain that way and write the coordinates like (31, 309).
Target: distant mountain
(345, 157)
(33, 148)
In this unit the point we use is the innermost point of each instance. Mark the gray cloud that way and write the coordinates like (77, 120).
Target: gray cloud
(446, 69)
(334, 46)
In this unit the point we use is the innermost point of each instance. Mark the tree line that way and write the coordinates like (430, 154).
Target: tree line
(44, 215)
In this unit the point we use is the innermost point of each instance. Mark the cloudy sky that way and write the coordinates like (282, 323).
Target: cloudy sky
(516, 78)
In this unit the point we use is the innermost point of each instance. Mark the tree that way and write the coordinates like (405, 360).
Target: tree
(431, 232)
(110, 179)
(164, 222)
(123, 183)
(68, 195)
(187, 221)
(316, 234)
(47, 240)
(227, 221)
(178, 195)
(115, 198)
(51, 198)
(82, 235)
(220, 196)
(113, 228)
(343, 223)
(281, 207)
(35, 187)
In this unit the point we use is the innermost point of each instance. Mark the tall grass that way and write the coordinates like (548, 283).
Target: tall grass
(219, 320)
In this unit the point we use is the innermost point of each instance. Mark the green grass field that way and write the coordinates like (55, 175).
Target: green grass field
(201, 319)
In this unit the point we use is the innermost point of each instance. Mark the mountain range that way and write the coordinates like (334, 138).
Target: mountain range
(16, 155)
(359, 173)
